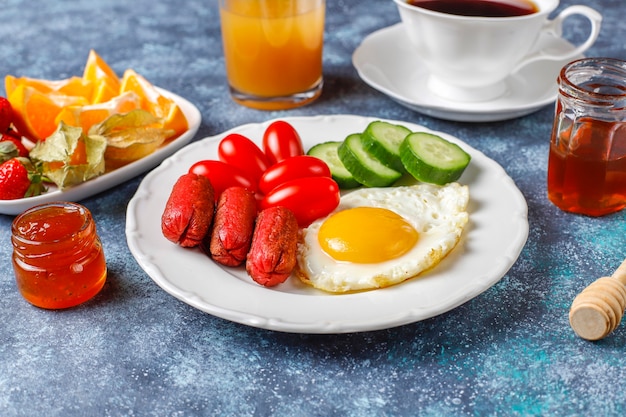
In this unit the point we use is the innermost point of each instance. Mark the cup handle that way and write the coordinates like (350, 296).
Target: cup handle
(555, 28)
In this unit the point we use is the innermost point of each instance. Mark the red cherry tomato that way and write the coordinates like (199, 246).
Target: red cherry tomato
(239, 151)
(223, 175)
(309, 198)
(300, 166)
(281, 141)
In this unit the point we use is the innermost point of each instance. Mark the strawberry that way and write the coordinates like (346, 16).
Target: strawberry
(14, 180)
(12, 136)
(8, 150)
(19, 178)
(6, 114)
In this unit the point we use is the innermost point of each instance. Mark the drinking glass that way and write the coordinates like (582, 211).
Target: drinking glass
(273, 51)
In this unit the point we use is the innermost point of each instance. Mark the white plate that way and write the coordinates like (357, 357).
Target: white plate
(495, 236)
(385, 60)
(116, 177)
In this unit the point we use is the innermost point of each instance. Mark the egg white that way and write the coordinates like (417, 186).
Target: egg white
(438, 213)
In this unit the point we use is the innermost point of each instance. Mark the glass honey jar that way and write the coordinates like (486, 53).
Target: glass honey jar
(587, 159)
(58, 258)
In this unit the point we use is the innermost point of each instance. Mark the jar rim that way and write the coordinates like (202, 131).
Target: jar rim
(84, 212)
(601, 81)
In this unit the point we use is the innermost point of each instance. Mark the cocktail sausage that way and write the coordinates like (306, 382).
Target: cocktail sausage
(189, 210)
(230, 239)
(272, 256)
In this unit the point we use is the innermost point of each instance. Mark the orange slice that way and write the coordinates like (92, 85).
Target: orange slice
(96, 68)
(35, 112)
(102, 76)
(104, 91)
(74, 86)
(87, 115)
(156, 103)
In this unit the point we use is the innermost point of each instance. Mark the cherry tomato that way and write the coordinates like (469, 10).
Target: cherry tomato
(300, 166)
(239, 151)
(223, 175)
(309, 198)
(281, 141)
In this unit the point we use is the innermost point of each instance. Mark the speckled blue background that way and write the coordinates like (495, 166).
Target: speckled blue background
(135, 350)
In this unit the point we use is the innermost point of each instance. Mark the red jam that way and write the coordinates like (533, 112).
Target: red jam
(57, 255)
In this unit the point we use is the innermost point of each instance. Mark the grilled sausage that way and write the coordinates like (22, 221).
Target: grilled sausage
(272, 256)
(189, 210)
(233, 225)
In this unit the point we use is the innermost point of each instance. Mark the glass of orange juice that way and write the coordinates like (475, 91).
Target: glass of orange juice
(273, 51)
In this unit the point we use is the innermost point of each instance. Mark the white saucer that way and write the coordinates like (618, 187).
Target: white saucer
(385, 60)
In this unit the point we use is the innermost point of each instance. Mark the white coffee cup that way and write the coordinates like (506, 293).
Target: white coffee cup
(468, 57)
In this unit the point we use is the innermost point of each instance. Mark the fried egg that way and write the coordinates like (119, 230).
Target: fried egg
(379, 237)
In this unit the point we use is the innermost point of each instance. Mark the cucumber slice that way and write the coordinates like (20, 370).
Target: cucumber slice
(430, 158)
(366, 169)
(383, 139)
(327, 152)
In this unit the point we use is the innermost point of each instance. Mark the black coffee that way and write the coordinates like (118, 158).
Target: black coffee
(484, 8)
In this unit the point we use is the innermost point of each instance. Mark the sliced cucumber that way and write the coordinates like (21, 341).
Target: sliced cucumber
(383, 139)
(327, 152)
(366, 169)
(430, 158)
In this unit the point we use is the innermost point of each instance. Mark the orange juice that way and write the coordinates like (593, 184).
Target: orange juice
(273, 51)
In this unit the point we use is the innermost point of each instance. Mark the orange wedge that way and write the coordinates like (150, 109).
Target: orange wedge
(156, 103)
(104, 91)
(87, 115)
(74, 86)
(106, 81)
(96, 69)
(35, 112)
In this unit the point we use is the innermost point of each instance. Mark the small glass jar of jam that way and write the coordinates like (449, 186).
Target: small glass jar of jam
(57, 255)
(587, 160)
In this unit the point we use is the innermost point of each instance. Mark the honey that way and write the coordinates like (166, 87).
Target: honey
(587, 159)
(58, 258)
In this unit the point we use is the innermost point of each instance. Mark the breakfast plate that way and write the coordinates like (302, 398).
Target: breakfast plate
(385, 60)
(117, 176)
(491, 243)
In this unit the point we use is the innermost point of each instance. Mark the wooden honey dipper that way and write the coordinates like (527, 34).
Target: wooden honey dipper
(599, 308)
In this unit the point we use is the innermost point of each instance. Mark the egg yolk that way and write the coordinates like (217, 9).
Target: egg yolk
(366, 235)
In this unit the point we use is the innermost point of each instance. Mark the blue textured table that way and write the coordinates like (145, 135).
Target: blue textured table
(135, 350)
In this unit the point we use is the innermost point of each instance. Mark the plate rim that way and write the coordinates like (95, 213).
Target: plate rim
(119, 175)
(150, 264)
